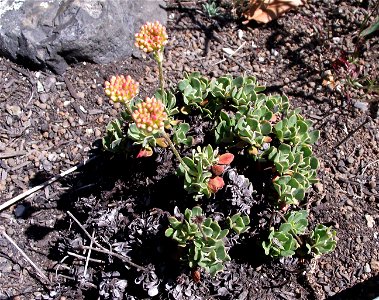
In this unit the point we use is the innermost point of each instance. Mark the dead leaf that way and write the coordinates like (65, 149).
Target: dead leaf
(264, 11)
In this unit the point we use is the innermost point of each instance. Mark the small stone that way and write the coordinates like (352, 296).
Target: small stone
(274, 52)
(367, 268)
(261, 59)
(349, 202)
(363, 106)
(350, 160)
(6, 268)
(319, 187)
(100, 101)
(370, 221)
(153, 291)
(11, 162)
(372, 184)
(44, 127)
(42, 106)
(43, 97)
(81, 94)
(97, 132)
(21, 210)
(374, 265)
(14, 110)
(47, 166)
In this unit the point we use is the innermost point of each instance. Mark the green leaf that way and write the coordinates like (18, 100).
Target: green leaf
(371, 29)
(314, 136)
(197, 211)
(169, 232)
(183, 85)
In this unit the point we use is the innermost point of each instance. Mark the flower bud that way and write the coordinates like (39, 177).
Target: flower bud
(121, 89)
(150, 115)
(152, 37)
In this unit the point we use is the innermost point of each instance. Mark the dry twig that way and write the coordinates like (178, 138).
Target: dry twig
(102, 249)
(39, 271)
(41, 186)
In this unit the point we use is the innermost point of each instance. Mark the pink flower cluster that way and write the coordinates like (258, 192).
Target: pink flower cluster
(121, 89)
(152, 37)
(150, 115)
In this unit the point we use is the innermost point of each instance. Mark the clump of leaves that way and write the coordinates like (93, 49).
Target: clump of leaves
(203, 238)
(292, 235)
(201, 171)
(211, 9)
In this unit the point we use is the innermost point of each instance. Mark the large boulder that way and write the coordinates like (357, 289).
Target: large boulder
(51, 34)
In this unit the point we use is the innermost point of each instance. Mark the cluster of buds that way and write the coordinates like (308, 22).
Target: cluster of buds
(121, 89)
(152, 37)
(150, 115)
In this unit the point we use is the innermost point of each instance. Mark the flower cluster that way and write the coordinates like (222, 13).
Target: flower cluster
(152, 37)
(121, 89)
(150, 115)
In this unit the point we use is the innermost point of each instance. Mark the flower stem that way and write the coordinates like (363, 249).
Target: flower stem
(172, 146)
(159, 59)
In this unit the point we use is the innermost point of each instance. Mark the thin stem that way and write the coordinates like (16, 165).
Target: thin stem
(295, 235)
(159, 59)
(172, 146)
(202, 231)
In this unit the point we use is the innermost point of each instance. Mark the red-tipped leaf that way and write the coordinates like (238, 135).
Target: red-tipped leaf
(225, 159)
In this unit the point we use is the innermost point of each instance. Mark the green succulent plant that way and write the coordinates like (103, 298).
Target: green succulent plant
(239, 224)
(282, 242)
(196, 171)
(322, 240)
(203, 238)
(114, 137)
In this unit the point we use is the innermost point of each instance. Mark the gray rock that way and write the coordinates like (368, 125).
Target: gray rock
(52, 34)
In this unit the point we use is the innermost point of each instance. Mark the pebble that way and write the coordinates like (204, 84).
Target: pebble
(6, 268)
(370, 221)
(47, 166)
(367, 268)
(372, 184)
(363, 106)
(43, 97)
(319, 187)
(97, 132)
(100, 101)
(11, 162)
(14, 110)
(153, 291)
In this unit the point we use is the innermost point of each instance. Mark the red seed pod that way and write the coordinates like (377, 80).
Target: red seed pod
(215, 184)
(196, 276)
(225, 159)
(218, 169)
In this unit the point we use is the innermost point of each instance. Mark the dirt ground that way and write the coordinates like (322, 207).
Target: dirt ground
(50, 123)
